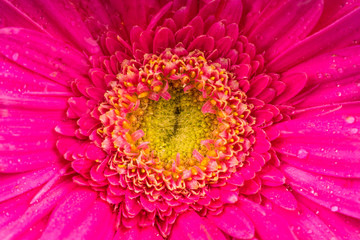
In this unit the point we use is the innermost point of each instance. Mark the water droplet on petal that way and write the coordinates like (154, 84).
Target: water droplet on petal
(350, 119)
(319, 75)
(302, 153)
(15, 56)
(354, 131)
(334, 208)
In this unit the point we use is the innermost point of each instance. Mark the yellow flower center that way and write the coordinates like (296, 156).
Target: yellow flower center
(176, 126)
(177, 122)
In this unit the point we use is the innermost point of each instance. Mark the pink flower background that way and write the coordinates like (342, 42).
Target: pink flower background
(298, 61)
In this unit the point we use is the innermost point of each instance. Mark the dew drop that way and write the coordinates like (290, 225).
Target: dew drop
(354, 131)
(302, 153)
(340, 70)
(350, 119)
(334, 208)
(15, 56)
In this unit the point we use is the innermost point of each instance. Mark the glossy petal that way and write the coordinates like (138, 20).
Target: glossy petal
(191, 226)
(234, 222)
(336, 194)
(268, 224)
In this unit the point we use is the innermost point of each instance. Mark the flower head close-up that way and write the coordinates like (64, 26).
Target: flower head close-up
(183, 119)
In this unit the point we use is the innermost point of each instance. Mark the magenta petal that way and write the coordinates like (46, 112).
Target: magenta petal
(68, 214)
(267, 224)
(67, 128)
(42, 54)
(345, 227)
(185, 35)
(306, 224)
(203, 42)
(281, 19)
(36, 211)
(191, 226)
(294, 84)
(139, 8)
(60, 20)
(347, 90)
(99, 221)
(12, 17)
(217, 30)
(280, 196)
(271, 176)
(234, 222)
(334, 10)
(327, 144)
(22, 160)
(164, 38)
(14, 208)
(258, 84)
(16, 184)
(336, 194)
(331, 66)
(134, 233)
(231, 11)
(341, 33)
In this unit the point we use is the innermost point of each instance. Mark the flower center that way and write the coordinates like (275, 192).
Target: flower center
(177, 126)
(175, 121)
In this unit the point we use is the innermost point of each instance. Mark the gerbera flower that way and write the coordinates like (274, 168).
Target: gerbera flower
(184, 119)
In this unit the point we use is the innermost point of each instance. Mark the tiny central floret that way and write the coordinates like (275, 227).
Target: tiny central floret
(175, 121)
(177, 126)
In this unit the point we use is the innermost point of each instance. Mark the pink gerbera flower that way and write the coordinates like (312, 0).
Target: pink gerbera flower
(184, 119)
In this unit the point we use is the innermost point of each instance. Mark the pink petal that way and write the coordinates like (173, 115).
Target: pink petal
(42, 54)
(185, 35)
(99, 221)
(231, 11)
(36, 212)
(334, 10)
(336, 194)
(341, 33)
(217, 30)
(345, 227)
(280, 196)
(12, 17)
(15, 184)
(294, 84)
(22, 161)
(147, 233)
(234, 222)
(340, 91)
(331, 66)
(67, 128)
(139, 8)
(164, 38)
(267, 224)
(326, 144)
(258, 84)
(271, 176)
(60, 20)
(306, 224)
(203, 43)
(191, 226)
(69, 213)
(14, 208)
(281, 20)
